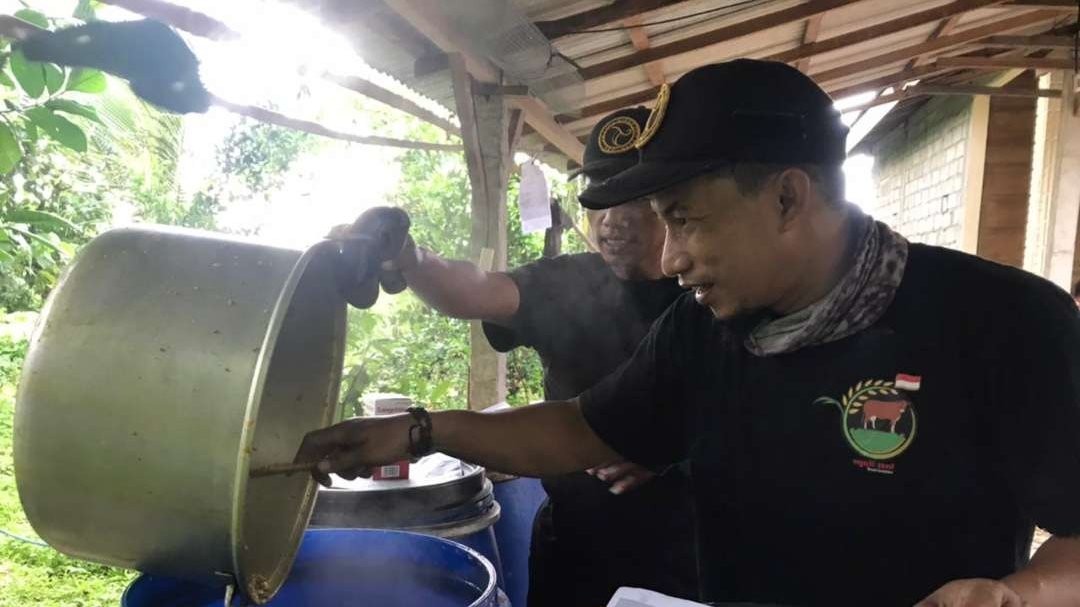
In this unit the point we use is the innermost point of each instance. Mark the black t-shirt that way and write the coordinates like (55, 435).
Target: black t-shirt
(584, 322)
(872, 470)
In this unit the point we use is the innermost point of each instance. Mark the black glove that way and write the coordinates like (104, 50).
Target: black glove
(378, 235)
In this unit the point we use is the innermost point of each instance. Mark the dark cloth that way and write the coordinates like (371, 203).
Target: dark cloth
(823, 478)
(584, 322)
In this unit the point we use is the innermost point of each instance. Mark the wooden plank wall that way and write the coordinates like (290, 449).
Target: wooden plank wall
(1007, 176)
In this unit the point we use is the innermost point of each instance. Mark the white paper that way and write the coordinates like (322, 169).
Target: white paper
(533, 199)
(637, 597)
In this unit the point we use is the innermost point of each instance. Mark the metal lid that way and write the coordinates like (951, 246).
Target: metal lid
(440, 490)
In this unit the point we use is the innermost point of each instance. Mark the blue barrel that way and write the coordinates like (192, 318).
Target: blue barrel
(520, 499)
(354, 567)
(443, 496)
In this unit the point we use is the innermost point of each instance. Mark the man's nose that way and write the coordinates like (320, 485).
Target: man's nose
(675, 260)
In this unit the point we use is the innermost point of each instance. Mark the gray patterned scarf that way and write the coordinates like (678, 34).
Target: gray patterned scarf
(856, 302)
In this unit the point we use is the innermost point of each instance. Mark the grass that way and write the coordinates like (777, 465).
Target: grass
(876, 441)
(30, 574)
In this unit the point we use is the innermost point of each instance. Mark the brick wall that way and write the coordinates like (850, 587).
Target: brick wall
(919, 170)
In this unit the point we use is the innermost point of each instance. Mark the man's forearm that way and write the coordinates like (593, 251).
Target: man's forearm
(537, 440)
(461, 289)
(1052, 578)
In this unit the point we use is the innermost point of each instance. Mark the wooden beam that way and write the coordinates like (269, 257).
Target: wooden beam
(613, 12)
(483, 131)
(883, 82)
(272, 117)
(616, 103)
(880, 30)
(378, 93)
(1053, 42)
(703, 42)
(956, 90)
(442, 33)
(944, 28)
(810, 36)
(1059, 5)
(943, 43)
(1005, 62)
(430, 23)
(655, 69)
(541, 120)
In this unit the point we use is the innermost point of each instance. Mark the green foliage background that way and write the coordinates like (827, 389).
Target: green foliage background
(78, 150)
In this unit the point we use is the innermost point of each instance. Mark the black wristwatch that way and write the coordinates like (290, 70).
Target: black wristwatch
(420, 442)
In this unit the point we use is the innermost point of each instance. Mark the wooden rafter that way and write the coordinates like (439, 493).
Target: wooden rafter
(940, 44)
(606, 15)
(944, 28)
(370, 89)
(1005, 63)
(655, 69)
(883, 82)
(956, 89)
(702, 43)
(1030, 42)
(887, 28)
(810, 36)
(307, 126)
(427, 22)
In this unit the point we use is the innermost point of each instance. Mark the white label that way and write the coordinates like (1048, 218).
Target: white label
(533, 199)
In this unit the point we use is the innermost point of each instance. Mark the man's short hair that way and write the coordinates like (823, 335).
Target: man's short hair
(1076, 289)
(751, 177)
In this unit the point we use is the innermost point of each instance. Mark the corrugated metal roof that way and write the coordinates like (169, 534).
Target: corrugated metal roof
(388, 43)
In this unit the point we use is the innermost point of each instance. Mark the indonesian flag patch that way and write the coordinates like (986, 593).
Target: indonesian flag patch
(907, 382)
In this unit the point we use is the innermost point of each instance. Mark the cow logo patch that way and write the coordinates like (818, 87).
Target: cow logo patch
(878, 420)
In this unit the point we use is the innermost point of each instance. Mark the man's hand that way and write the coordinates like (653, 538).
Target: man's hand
(622, 475)
(974, 593)
(351, 448)
(373, 251)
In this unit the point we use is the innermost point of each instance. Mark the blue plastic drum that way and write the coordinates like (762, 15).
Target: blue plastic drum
(354, 567)
(443, 496)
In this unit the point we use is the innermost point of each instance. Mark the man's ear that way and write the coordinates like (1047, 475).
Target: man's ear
(793, 190)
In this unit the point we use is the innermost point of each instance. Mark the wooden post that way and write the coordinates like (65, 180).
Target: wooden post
(485, 131)
(1007, 176)
(1065, 188)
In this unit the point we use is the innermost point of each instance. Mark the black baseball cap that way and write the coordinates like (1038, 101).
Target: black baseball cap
(738, 111)
(610, 149)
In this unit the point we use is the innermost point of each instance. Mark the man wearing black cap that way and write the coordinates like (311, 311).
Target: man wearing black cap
(619, 524)
(863, 427)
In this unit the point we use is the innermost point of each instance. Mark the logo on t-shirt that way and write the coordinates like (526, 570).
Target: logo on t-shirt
(879, 419)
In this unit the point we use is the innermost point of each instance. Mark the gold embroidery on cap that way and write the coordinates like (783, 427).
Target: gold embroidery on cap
(656, 116)
(619, 135)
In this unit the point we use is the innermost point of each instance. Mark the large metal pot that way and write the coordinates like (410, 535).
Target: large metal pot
(165, 364)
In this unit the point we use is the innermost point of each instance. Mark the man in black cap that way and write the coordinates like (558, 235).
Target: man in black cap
(863, 427)
(619, 524)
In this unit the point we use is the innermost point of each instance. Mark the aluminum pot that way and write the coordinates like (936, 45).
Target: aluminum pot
(165, 364)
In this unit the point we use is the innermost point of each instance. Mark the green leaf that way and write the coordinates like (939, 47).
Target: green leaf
(86, 80)
(5, 80)
(85, 11)
(29, 74)
(34, 17)
(59, 128)
(37, 238)
(43, 219)
(10, 151)
(73, 107)
(54, 77)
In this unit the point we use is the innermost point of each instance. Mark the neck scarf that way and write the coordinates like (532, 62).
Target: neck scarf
(856, 302)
